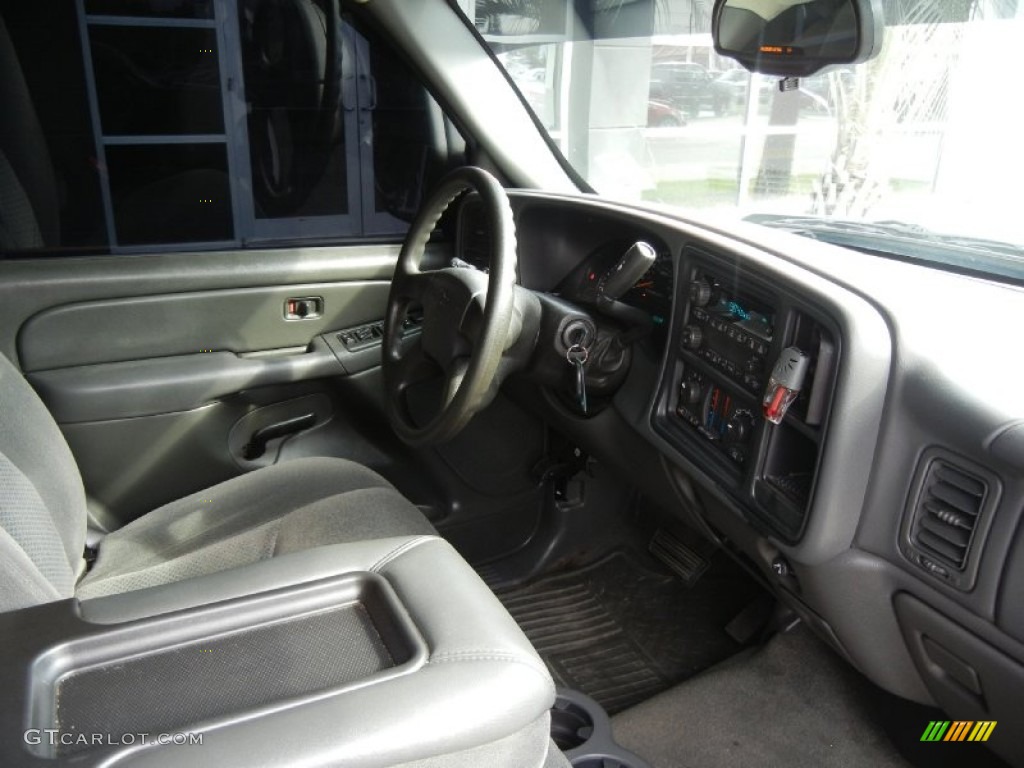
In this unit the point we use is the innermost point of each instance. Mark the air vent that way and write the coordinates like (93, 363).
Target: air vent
(946, 516)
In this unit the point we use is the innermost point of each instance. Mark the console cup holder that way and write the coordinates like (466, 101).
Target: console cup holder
(581, 729)
(571, 724)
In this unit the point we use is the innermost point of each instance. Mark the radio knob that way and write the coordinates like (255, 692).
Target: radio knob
(700, 292)
(691, 337)
(738, 429)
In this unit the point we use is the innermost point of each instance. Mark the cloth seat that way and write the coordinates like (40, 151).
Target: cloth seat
(272, 511)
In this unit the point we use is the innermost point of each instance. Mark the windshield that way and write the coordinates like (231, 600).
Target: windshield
(924, 140)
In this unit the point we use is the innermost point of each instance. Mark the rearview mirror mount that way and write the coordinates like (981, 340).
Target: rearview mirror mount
(796, 38)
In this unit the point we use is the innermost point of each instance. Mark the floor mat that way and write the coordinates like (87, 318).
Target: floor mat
(621, 632)
(792, 703)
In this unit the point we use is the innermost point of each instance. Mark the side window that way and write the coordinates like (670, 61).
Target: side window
(165, 124)
(158, 116)
(299, 107)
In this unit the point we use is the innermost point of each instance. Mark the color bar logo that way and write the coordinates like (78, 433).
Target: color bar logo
(958, 730)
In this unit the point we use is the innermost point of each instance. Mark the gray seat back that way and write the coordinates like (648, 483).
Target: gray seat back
(42, 502)
(29, 211)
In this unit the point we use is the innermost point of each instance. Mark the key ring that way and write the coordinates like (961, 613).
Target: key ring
(577, 354)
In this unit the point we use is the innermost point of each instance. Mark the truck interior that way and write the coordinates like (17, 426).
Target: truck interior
(381, 385)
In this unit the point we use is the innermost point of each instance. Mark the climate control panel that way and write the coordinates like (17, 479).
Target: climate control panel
(718, 414)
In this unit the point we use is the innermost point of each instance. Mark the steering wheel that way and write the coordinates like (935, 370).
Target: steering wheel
(467, 315)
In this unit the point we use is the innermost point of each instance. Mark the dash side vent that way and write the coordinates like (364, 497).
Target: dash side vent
(946, 515)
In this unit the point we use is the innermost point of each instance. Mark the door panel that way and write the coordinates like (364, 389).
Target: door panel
(114, 348)
(131, 466)
(32, 286)
(243, 320)
(139, 388)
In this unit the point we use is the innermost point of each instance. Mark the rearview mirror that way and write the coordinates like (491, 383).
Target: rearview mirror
(796, 38)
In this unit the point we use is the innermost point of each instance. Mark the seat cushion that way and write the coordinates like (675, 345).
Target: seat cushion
(42, 502)
(272, 511)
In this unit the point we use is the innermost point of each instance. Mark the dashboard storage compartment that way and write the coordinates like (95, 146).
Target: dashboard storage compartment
(241, 656)
(785, 489)
(968, 677)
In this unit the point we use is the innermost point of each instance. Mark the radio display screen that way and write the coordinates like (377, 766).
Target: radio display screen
(745, 317)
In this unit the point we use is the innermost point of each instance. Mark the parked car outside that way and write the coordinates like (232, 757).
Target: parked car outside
(661, 114)
(688, 87)
(735, 82)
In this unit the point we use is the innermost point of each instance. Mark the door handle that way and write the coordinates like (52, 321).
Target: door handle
(305, 308)
(257, 444)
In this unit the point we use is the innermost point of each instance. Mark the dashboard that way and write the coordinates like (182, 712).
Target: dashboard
(885, 505)
(718, 329)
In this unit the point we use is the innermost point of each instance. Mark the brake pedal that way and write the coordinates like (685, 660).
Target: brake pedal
(681, 560)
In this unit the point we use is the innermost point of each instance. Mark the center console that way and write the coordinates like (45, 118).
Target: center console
(375, 652)
(732, 328)
(582, 730)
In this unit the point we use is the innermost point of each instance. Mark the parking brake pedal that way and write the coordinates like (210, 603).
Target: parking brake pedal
(683, 561)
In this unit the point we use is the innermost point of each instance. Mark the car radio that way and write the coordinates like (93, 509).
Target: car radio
(730, 331)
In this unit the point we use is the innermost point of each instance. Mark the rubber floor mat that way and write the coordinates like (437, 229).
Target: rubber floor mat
(621, 632)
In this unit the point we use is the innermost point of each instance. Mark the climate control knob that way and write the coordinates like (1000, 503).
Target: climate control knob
(691, 337)
(689, 393)
(739, 427)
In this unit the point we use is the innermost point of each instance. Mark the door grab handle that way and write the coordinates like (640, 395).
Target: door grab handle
(257, 444)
